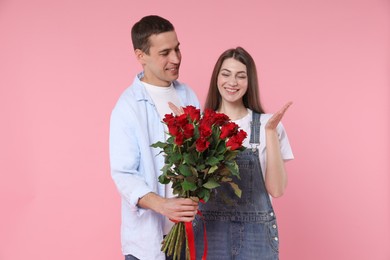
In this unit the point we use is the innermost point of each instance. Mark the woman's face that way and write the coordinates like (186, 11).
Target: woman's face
(232, 81)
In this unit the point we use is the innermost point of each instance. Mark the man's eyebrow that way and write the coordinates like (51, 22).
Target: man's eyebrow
(169, 49)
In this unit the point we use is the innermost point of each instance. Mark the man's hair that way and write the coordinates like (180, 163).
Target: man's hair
(146, 27)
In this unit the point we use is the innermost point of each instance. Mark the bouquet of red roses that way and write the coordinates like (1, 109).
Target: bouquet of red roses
(199, 154)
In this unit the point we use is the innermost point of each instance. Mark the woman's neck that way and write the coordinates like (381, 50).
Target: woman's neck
(234, 112)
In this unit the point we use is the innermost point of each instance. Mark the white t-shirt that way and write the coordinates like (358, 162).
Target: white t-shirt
(161, 96)
(285, 148)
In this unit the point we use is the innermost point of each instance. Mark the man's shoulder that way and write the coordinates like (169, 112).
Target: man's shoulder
(182, 87)
(133, 92)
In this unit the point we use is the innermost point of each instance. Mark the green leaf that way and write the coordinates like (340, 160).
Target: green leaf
(200, 167)
(194, 171)
(159, 145)
(163, 179)
(226, 179)
(221, 157)
(212, 161)
(221, 148)
(185, 170)
(168, 149)
(204, 194)
(236, 189)
(171, 140)
(224, 171)
(213, 169)
(230, 155)
(166, 168)
(177, 189)
(189, 158)
(233, 167)
(188, 186)
(175, 158)
(211, 184)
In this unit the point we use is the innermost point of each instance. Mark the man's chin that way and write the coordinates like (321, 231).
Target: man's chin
(174, 77)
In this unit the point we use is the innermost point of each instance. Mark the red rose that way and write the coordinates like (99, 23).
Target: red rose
(169, 119)
(241, 135)
(208, 114)
(193, 112)
(228, 129)
(235, 141)
(188, 130)
(204, 129)
(202, 144)
(220, 119)
(173, 129)
(181, 120)
(179, 139)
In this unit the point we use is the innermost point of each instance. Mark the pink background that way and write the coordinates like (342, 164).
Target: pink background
(63, 64)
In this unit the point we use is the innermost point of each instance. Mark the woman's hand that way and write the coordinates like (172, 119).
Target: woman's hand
(277, 117)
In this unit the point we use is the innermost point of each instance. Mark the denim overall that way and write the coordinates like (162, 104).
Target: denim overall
(240, 228)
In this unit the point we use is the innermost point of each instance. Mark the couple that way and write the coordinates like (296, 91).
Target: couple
(245, 231)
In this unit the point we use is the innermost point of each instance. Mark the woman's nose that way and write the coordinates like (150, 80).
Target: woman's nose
(232, 81)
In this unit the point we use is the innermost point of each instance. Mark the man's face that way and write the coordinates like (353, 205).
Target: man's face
(161, 65)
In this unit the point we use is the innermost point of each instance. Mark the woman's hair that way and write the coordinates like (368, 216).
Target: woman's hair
(147, 26)
(251, 99)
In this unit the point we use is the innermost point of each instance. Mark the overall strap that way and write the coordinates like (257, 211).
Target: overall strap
(255, 129)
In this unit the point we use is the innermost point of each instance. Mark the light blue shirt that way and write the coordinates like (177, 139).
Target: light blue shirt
(135, 166)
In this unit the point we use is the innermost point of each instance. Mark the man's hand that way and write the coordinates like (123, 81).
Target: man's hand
(176, 209)
(180, 209)
(176, 110)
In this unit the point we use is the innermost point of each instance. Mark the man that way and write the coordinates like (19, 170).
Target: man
(135, 124)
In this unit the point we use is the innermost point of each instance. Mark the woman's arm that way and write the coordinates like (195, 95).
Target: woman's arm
(276, 176)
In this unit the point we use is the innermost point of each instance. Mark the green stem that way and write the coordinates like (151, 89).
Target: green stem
(173, 239)
(178, 243)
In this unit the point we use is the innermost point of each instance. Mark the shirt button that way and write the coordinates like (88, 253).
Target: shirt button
(274, 226)
(271, 214)
(276, 238)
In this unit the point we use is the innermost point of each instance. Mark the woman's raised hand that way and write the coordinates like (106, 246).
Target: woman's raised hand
(277, 117)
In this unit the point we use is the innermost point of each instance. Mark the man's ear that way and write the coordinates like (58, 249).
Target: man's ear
(139, 55)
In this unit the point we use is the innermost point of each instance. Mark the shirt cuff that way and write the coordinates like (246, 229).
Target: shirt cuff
(137, 194)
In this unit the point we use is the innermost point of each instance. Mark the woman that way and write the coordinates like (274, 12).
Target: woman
(245, 228)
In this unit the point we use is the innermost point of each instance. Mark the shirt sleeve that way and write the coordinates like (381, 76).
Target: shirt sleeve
(285, 147)
(125, 157)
